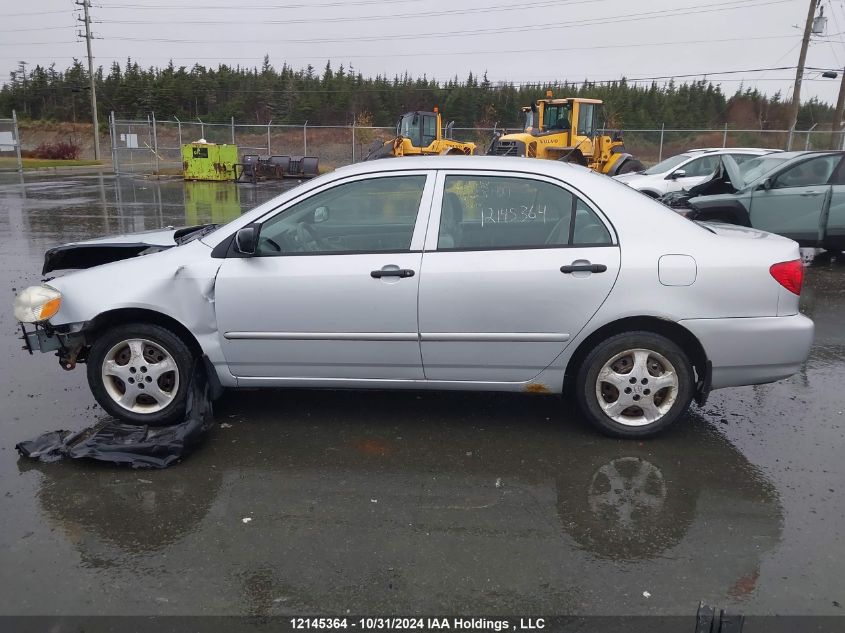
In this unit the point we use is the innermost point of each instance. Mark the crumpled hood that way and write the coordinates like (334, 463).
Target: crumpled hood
(726, 179)
(102, 250)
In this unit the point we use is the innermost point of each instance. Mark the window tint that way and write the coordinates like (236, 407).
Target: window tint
(365, 216)
(703, 166)
(808, 173)
(503, 212)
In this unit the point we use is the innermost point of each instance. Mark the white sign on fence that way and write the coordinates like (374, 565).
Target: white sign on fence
(131, 140)
(7, 142)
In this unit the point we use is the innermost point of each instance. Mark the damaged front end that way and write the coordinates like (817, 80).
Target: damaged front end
(90, 253)
(726, 179)
(68, 341)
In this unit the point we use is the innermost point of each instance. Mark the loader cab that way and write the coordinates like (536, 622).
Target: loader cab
(580, 117)
(421, 128)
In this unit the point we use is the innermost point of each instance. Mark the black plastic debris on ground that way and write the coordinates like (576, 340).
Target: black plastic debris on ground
(138, 446)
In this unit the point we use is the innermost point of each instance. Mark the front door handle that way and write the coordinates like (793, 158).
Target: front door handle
(811, 193)
(392, 272)
(585, 268)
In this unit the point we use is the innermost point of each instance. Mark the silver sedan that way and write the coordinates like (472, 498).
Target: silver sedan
(471, 273)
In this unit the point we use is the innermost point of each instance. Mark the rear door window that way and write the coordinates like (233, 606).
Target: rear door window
(503, 212)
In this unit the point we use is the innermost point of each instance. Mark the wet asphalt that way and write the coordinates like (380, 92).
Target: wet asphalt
(369, 502)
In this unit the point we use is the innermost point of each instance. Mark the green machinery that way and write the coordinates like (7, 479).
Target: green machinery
(209, 161)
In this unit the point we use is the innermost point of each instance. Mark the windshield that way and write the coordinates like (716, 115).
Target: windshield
(751, 170)
(667, 165)
(557, 117)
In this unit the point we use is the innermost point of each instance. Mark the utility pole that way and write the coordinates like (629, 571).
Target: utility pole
(799, 72)
(837, 117)
(85, 4)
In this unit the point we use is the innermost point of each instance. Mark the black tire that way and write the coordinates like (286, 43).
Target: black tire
(630, 166)
(167, 341)
(587, 379)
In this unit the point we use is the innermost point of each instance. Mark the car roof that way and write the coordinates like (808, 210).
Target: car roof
(791, 155)
(553, 168)
(741, 150)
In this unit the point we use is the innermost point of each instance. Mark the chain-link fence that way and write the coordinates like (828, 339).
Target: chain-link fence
(153, 146)
(10, 145)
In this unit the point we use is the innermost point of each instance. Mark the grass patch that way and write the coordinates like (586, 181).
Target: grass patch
(40, 163)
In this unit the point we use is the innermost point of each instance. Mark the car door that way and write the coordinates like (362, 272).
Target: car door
(331, 292)
(514, 267)
(795, 198)
(832, 222)
(694, 173)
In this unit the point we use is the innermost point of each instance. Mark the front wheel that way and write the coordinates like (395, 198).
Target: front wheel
(140, 372)
(635, 384)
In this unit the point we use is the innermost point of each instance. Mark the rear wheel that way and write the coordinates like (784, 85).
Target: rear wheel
(635, 384)
(139, 373)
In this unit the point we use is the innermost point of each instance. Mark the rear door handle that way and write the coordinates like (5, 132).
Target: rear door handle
(394, 272)
(811, 193)
(586, 268)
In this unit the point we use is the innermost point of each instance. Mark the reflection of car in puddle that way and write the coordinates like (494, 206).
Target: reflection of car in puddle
(400, 501)
(139, 512)
(626, 488)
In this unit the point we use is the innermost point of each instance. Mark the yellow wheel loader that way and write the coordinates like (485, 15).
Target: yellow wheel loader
(567, 130)
(420, 134)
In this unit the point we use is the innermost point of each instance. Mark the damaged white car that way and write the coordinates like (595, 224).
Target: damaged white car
(473, 273)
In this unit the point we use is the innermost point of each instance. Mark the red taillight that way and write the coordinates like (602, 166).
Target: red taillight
(790, 275)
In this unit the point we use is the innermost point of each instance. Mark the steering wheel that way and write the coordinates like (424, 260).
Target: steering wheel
(305, 234)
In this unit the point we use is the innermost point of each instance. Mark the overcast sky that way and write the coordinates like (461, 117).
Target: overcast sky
(513, 40)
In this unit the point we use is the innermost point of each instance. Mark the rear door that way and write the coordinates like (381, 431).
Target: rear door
(514, 267)
(832, 222)
(798, 196)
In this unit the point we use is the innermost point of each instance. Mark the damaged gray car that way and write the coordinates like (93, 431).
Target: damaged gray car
(800, 195)
(470, 273)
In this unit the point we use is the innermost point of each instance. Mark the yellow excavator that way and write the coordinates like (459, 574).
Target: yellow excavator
(567, 130)
(420, 134)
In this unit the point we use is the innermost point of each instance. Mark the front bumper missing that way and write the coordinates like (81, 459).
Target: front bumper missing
(40, 340)
(69, 346)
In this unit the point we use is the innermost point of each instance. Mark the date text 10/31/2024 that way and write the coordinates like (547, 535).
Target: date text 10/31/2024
(418, 624)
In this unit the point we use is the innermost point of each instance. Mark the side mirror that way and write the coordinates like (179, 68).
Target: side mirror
(767, 184)
(321, 214)
(246, 240)
(680, 173)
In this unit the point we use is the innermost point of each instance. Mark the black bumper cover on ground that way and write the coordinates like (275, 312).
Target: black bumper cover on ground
(138, 446)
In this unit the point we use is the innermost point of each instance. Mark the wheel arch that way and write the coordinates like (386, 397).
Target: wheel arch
(676, 333)
(110, 318)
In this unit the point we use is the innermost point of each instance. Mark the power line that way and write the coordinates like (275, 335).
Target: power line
(258, 58)
(38, 13)
(39, 28)
(359, 18)
(239, 7)
(476, 32)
